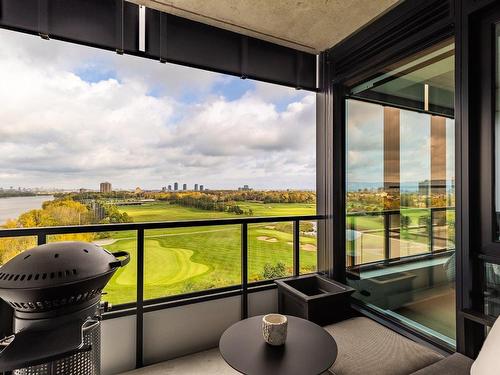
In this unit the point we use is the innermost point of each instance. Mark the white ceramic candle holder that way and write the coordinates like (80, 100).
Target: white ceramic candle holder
(274, 329)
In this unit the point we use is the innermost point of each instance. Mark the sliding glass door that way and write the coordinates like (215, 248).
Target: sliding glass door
(400, 237)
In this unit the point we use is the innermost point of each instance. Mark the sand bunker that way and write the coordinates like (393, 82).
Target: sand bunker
(308, 247)
(267, 239)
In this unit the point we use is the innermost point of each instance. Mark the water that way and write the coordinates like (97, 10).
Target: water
(11, 208)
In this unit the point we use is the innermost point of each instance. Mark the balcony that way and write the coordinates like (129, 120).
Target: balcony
(248, 298)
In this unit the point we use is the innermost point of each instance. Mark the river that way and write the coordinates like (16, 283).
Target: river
(11, 208)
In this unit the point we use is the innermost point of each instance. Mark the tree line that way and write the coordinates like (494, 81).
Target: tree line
(203, 201)
(211, 200)
(16, 193)
(274, 196)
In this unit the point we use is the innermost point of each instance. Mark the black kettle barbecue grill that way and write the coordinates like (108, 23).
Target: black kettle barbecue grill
(55, 291)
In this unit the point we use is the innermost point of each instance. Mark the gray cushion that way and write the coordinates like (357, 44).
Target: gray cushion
(366, 347)
(456, 364)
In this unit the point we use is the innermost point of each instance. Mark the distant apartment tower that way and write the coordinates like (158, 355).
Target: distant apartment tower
(169, 187)
(195, 187)
(184, 186)
(176, 186)
(105, 187)
(201, 187)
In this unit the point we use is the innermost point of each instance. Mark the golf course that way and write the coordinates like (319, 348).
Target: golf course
(183, 260)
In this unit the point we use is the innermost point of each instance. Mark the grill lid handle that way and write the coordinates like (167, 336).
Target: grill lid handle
(120, 262)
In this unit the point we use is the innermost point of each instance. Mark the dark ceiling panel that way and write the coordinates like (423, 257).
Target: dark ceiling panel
(203, 45)
(191, 43)
(21, 14)
(88, 21)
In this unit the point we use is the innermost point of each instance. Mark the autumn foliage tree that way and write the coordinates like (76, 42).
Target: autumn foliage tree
(53, 213)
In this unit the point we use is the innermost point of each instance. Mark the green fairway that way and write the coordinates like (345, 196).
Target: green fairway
(183, 260)
(163, 211)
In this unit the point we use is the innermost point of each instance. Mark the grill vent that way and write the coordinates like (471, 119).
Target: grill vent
(36, 276)
(39, 306)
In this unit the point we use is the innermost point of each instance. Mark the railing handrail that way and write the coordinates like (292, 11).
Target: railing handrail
(89, 228)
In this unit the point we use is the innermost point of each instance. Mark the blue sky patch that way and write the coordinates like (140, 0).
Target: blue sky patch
(233, 88)
(93, 73)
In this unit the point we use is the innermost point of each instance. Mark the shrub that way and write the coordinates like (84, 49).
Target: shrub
(274, 272)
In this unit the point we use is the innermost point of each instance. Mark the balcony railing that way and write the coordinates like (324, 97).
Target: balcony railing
(143, 305)
(389, 230)
(243, 288)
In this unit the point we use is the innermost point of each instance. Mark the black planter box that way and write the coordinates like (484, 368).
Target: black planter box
(315, 298)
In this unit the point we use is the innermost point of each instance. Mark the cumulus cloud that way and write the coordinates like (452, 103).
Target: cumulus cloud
(73, 116)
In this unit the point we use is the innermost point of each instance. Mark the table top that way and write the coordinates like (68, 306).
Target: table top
(309, 349)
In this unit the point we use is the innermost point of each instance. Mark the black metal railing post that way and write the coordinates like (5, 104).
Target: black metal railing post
(41, 239)
(139, 358)
(296, 247)
(244, 270)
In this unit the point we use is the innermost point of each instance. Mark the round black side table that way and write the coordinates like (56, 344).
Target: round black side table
(309, 349)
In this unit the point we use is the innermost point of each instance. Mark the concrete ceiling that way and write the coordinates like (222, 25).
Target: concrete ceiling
(308, 25)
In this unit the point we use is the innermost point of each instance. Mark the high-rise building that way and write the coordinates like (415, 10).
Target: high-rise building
(176, 186)
(169, 187)
(105, 187)
(184, 186)
(164, 188)
(195, 187)
(201, 187)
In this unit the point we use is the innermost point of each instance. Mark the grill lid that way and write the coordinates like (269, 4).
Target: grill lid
(58, 277)
(56, 264)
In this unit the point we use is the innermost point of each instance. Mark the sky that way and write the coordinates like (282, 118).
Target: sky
(74, 116)
(365, 146)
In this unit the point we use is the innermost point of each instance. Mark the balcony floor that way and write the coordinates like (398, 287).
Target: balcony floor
(208, 363)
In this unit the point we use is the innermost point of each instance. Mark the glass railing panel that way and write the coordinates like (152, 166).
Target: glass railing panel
(191, 259)
(365, 238)
(414, 229)
(270, 251)
(308, 238)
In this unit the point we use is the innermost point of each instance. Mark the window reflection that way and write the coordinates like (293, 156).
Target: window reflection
(400, 238)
